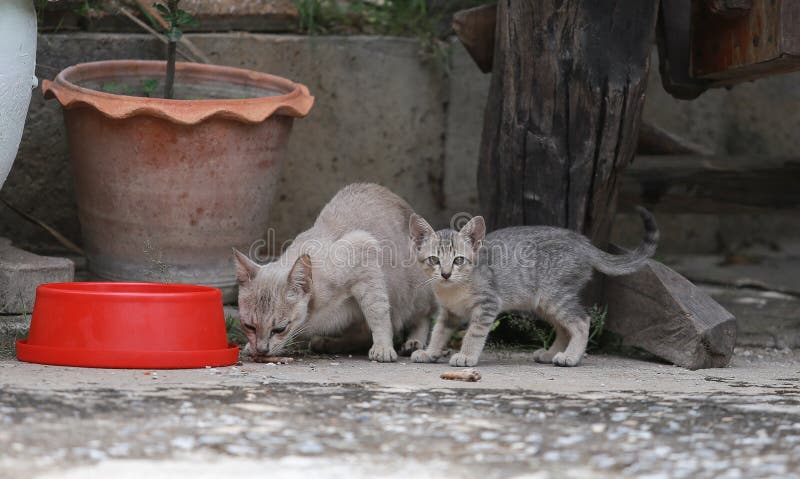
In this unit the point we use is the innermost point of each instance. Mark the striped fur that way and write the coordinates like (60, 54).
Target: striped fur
(537, 269)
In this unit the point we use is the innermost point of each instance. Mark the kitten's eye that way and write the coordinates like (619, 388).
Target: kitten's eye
(459, 260)
(277, 330)
(249, 327)
(432, 260)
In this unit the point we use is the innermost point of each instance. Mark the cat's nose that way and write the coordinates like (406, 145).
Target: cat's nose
(446, 275)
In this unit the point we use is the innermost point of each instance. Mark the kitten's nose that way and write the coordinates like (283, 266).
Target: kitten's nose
(446, 275)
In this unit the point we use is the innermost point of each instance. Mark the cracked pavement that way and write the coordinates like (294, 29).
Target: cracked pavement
(348, 417)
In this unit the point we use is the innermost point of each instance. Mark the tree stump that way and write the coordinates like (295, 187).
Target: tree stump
(562, 118)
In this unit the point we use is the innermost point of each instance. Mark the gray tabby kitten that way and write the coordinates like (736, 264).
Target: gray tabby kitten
(538, 269)
(349, 282)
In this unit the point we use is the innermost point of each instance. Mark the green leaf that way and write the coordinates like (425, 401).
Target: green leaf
(183, 17)
(149, 86)
(162, 9)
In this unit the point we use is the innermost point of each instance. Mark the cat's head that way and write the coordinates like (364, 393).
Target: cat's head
(448, 256)
(273, 305)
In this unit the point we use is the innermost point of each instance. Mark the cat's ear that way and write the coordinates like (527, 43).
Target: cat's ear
(419, 229)
(246, 269)
(300, 276)
(474, 231)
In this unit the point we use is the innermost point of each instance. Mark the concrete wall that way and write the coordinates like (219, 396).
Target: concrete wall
(385, 114)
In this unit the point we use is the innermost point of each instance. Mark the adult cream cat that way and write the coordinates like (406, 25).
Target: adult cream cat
(348, 282)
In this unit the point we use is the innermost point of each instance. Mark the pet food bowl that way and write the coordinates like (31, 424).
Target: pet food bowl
(128, 325)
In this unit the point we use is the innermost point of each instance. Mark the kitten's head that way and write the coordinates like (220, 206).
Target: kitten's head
(273, 305)
(448, 256)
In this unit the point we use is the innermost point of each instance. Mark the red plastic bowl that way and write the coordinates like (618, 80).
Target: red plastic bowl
(128, 325)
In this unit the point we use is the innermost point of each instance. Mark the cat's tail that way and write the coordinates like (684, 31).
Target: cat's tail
(615, 265)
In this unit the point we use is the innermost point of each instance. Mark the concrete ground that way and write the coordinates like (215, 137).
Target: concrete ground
(331, 416)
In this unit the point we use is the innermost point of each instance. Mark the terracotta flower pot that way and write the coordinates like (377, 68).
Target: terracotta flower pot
(165, 188)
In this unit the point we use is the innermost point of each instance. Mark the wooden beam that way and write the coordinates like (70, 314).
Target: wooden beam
(475, 27)
(763, 40)
(562, 117)
(711, 185)
(654, 140)
(673, 38)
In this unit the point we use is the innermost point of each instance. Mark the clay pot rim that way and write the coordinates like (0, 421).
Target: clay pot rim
(296, 102)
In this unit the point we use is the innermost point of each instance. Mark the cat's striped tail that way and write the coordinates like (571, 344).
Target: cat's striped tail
(615, 265)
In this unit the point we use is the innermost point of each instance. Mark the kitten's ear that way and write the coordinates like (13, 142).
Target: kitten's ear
(246, 269)
(300, 276)
(419, 229)
(474, 231)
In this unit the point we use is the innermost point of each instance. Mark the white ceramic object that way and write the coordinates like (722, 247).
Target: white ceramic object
(17, 79)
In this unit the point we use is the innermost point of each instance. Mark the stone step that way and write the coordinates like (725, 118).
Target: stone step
(21, 272)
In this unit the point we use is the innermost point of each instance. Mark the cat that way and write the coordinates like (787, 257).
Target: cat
(537, 269)
(349, 282)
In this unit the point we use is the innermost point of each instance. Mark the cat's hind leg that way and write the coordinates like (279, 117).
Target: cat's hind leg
(575, 321)
(559, 345)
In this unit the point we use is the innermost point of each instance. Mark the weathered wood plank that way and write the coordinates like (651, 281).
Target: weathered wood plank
(674, 50)
(663, 313)
(562, 118)
(654, 140)
(475, 27)
(713, 185)
(760, 42)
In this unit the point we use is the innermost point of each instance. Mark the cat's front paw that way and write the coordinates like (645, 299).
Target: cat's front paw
(422, 356)
(410, 347)
(543, 356)
(460, 360)
(562, 359)
(382, 354)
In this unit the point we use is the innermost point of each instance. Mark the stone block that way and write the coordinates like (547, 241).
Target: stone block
(21, 272)
(663, 313)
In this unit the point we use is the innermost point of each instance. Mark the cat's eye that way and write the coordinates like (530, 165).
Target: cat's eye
(277, 330)
(432, 260)
(459, 260)
(249, 327)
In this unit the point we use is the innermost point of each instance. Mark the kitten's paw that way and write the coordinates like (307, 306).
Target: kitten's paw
(411, 346)
(562, 359)
(543, 356)
(422, 356)
(382, 354)
(459, 360)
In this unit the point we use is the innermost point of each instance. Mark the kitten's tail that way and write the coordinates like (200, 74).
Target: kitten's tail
(615, 265)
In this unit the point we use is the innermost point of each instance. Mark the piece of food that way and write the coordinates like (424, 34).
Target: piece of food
(469, 375)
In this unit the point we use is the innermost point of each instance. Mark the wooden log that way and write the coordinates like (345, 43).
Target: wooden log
(712, 185)
(674, 50)
(662, 312)
(763, 41)
(475, 27)
(654, 140)
(562, 118)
